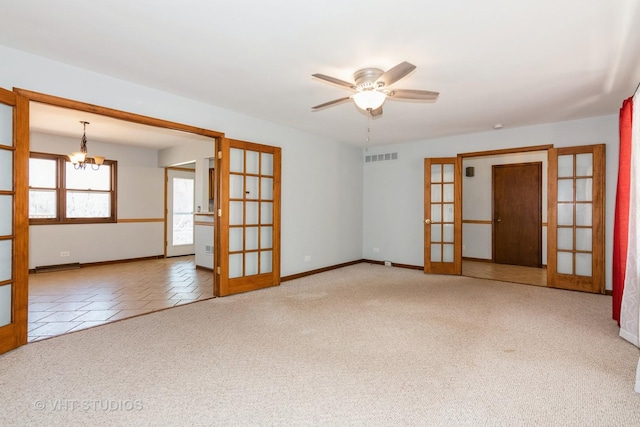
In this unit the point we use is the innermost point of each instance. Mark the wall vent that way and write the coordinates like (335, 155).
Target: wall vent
(380, 157)
(208, 249)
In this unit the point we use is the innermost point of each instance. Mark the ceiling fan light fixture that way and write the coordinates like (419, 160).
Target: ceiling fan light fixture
(369, 99)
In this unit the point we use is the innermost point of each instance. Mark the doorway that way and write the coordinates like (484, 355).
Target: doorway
(180, 201)
(517, 214)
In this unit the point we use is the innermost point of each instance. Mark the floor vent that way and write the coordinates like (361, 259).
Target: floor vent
(381, 157)
(57, 267)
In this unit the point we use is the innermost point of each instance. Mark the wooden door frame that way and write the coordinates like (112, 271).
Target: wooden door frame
(24, 97)
(493, 208)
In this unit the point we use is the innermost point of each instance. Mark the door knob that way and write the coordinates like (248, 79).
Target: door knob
(427, 221)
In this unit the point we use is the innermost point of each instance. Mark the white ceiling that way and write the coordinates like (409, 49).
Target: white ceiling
(493, 61)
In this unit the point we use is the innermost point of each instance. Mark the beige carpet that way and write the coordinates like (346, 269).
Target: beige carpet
(362, 345)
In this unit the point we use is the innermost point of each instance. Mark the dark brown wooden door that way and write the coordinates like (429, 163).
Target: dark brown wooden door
(517, 214)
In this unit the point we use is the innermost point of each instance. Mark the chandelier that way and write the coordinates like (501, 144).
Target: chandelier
(80, 159)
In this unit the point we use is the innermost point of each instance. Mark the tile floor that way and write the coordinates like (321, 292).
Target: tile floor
(70, 300)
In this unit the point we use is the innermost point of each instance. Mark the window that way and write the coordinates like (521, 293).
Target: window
(61, 194)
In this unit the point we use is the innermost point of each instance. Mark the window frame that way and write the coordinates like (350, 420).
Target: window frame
(61, 193)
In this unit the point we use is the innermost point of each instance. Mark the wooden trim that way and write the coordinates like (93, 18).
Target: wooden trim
(207, 224)
(506, 151)
(126, 220)
(117, 261)
(177, 168)
(117, 114)
(321, 270)
(21, 219)
(477, 221)
(200, 267)
(8, 98)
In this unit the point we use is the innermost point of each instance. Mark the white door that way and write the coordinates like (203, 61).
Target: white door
(180, 201)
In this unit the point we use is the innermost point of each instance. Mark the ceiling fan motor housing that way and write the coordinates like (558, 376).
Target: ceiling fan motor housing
(366, 78)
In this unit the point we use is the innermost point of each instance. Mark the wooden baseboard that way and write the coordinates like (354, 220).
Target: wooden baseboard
(319, 270)
(117, 261)
(393, 264)
(201, 267)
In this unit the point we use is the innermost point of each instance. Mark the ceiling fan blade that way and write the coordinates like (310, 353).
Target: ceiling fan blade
(376, 112)
(396, 73)
(423, 95)
(334, 81)
(331, 103)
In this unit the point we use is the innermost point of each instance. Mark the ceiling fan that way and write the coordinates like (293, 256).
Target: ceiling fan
(372, 88)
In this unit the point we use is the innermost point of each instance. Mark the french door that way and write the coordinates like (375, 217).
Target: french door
(248, 255)
(14, 219)
(443, 216)
(180, 221)
(576, 218)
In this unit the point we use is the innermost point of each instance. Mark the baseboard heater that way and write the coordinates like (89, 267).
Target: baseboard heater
(57, 267)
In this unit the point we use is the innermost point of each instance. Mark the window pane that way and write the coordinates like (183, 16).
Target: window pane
(436, 233)
(448, 193)
(251, 264)
(266, 261)
(565, 214)
(584, 164)
(565, 190)
(43, 204)
(448, 173)
(436, 173)
(6, 125)
(251, 209)
(565, 263)
(236, 160)
(436, 193)
(584, 214)
(251, 192)
(6, 170)
(583, 265)
(584, 241)
(267, 164)
(236, 186)
(447, 255)
(266, 237)
(88, 179)
(42, 173)
(251, 238)
(266, 212)
(236, 239)
(267, 188)
(565, 238)
(88, 205)
(253, 165)
(6, 213)
(436, 252)
(565, 165)
(584, 192)
(6, 260)
(182, 229)
(5, 305)
(235, 265)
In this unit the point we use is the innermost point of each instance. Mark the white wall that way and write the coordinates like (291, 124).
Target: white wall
(140, 195)
(393, 190)
(321, 179)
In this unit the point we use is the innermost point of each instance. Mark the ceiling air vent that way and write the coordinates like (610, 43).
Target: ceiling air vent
(380, 157)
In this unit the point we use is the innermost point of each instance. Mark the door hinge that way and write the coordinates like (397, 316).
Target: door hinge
(219, 212)
(218, 270)
(219, 154)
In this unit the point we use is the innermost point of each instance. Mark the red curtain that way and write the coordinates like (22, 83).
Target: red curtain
(621, 216)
